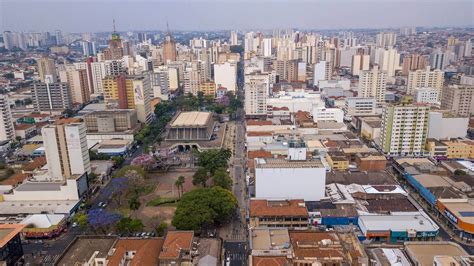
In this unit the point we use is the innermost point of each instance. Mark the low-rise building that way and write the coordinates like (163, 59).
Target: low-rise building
(278, 213)
(446, 125)
(398, 227)
(370, 162)
(460, 214)
(11, 250)
(176, 249)
(44, 225)
(424, 253)
(337, 160)
(191, 126)
(25, 131)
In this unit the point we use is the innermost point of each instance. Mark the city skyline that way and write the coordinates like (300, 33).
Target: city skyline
(27, 15)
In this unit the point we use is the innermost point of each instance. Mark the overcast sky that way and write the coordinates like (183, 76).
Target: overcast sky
(97, 15)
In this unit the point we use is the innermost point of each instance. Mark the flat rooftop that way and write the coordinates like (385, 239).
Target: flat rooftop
(462, 208)
(270, 238)
(360, 178)
(37, 206)
(9, 231)
(425, 251)
(418, 221)
(190, 119)
(82, 249)
(40, 186)
(284, 163)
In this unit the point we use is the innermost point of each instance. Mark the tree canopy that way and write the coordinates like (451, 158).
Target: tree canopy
(211, 160)
(221, 178)
(204, 207)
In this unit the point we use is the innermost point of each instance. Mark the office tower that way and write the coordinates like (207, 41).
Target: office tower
(225, 75)
(386, 39)
(129, 92)
(388, 60)
(233, 38)
(7, 131)
(287, 70)
(413, 62)
(115, 49)
(142, 37)
(255, 98)
(439, 59)
(249, 42)
(51, 96)
(66, 149)
(59, 37)
(46, 66)
(88, 48)
(97, 73)
(322, 71)
(267, 47)
(360, 62)
(404, 129)
(458, 98)
(169, 48)
(425, 78)
(114, 67)
(373, 84)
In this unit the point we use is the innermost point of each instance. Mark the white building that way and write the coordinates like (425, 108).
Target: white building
(388, 60)
(267, 47)
(427, 95)
(328, 114)
(255, 99)
(345, 84)
(359, 106)
(425, 78)
(359, 62)
(7, 132)
(386, 39)
(295, 101)
(373, 84)
(225, 75)
(322, 71)
(293, 178)
(66, 150)
(446, 125)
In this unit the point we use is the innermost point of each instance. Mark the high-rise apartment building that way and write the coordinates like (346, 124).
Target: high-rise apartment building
(88, 48)
(373, 84)
(404, 129)
(169, 48)
(233, 38)
(46, 66)
(427, 95)
(388, 60)
(78, 82)
(129, 92)
(267, 47)
(7, 131)
(425, 78)
(439, 59)
(322, 71)
(386, 39)
(255, 98)
(458, 98)
(413, 62)
(225, 75)
(51, 96)
(287, 70)
(360, 62)
(66, 149)
(192, 78)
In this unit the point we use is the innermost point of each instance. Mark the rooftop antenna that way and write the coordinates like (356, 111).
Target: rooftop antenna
(113, 24)
(168, 28)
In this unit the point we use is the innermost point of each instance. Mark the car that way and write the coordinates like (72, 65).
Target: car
(143, 234)
(104, 205)
(74, 224)
(100, 204)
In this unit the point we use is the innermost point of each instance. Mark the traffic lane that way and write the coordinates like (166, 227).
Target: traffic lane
(235, 253)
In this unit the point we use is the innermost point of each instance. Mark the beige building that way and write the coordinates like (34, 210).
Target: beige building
(46, 67)
(169, 49)
(208, 88)
(373, 84)
(111, 120)
(278, 213)
(458, 98)
(413, 62)
(425, 78)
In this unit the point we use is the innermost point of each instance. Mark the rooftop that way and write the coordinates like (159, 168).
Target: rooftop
(146, 251)
(37, 206)
(9, 231)
(269, 238)
(175, 241)
(40, 186)
(43, 220)
(424, 252)
(262, 208)
(360, 178)
(191, 119)
(418, 221)
(84, 247)
(284, 163)
(270, 261)
(462, 208)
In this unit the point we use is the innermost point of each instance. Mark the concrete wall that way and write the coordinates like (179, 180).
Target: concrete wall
(441, 128)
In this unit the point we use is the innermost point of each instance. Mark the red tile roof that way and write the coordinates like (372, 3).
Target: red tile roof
(270, 261)
(261, 208)
(174, 242)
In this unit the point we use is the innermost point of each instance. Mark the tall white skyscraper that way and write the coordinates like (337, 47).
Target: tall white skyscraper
(233, 38)
(388, 60)
(267, 47)
(66, 149)
(7, 132)
(373, 84)
(386, 39)
(225, 75)
(322, 71)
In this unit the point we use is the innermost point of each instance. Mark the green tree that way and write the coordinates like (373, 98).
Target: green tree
(134, 202)
(118, 160)
(81, 220)
(221, 178)
(179, 185)
(204, 207)
(128, 225)
(161, 229)
(92, 177)
(200, 177)
(213, 159)
(459, 172)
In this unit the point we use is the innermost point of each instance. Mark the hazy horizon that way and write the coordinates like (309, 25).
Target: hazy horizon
(97, 16)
